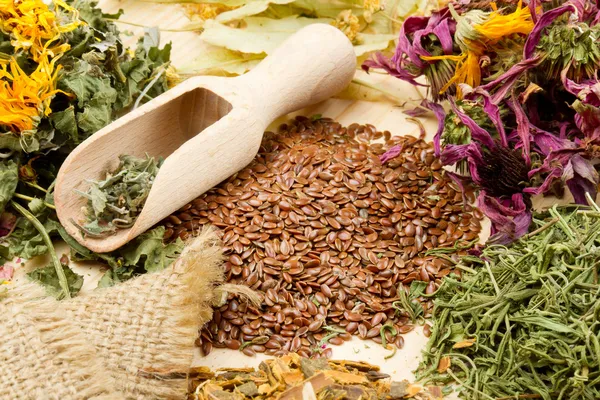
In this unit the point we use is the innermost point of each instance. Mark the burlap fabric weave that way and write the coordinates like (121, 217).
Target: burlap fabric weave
(131, 341)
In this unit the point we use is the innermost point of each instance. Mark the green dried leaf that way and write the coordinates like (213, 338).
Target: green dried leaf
(86, 82)
(150, 251)
(64, 121)
(116, 201)
(48, 278)
(36, 206)
(9, 178)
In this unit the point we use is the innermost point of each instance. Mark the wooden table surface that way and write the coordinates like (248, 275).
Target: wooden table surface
(187, 46)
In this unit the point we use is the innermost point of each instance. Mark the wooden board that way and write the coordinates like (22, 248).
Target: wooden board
(384, 115)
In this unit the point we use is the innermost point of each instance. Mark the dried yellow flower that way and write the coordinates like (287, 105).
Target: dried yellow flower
(205, 11)
(349, 24)
(173, 78)
(373, 5)
(35, 27)
(23, 98)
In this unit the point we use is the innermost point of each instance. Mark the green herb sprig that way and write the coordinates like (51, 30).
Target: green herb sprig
(116, 202)
(526, 322)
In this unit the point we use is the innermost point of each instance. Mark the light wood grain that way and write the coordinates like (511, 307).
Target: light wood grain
(206, 128)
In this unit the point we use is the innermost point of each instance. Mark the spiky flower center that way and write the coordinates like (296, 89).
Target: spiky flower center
(572, 46)
(503, 172)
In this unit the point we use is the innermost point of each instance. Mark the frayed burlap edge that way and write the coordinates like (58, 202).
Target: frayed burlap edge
(184, 292)
(65, 366)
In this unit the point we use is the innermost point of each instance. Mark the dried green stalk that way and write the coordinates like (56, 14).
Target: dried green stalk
(60, 272)
(115, 202)
(526, 322)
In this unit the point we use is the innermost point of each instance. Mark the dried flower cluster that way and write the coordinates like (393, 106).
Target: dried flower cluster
(521, 81)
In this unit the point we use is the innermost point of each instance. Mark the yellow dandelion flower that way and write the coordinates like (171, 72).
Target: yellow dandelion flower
(349, 24)
(489, 32)
(24, 98)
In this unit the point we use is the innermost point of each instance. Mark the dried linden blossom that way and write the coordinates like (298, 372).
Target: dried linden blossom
(349, 24)
(205, 11)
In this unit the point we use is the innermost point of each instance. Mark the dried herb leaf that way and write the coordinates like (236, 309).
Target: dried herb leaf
(48, 278)
(248, 389)
(9, 177)
(248, 9)
(116, 201)
(222, 61)
(521, 323)
(309, 367)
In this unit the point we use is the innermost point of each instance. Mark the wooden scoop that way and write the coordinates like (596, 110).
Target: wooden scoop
(206, 128)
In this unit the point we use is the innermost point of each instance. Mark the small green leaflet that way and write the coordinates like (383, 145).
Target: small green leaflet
(9, 177)
(47, 277)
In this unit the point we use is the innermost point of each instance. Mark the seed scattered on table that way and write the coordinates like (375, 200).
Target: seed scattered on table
(328, 235)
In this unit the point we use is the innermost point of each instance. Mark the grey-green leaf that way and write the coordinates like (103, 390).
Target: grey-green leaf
(9, 178)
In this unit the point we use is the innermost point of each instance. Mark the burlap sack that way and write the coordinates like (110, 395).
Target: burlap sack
(43, 355)
(136, 338)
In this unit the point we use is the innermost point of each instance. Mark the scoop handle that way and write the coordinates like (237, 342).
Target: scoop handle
(310, 66)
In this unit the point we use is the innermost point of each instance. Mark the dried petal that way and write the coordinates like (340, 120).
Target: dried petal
(440, 114)
(581, 178)
(491, 109)
(546, 19)
(477, 133)
(510, 218)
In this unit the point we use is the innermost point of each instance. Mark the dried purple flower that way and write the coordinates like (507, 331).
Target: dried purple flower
(510, 217)
(421, 37)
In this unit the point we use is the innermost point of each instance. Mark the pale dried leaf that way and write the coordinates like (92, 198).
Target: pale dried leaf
(464, 343)
(261, 35)
(373, 42)
(223, 62)
(325, 8)
(444, 364)
(247, 10)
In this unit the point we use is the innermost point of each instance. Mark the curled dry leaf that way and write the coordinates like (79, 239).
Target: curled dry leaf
(444, 364)
(464, 343)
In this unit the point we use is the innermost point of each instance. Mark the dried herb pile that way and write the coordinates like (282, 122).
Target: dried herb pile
(116, 202)
(521, 83)
(292, 377)
(524, 321)
(64, 74)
